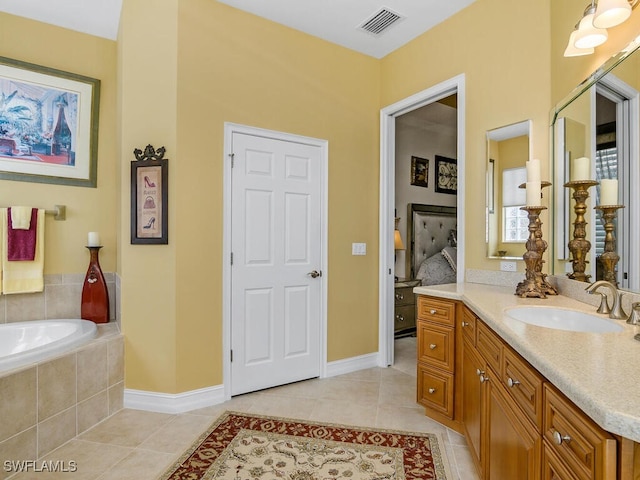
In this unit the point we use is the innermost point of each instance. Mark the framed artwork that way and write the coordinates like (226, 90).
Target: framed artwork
(446, 175)
(419, 171)
(149, 197)
(48, 125)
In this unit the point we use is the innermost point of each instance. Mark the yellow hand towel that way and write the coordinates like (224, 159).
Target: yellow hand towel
(24, 276)
(21, 218)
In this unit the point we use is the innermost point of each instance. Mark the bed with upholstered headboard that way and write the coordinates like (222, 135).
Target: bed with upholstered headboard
(432, 249)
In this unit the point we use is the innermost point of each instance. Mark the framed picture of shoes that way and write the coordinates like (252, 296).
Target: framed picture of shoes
(149, 194)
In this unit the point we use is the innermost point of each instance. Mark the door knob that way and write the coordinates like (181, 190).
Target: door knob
(314, 274)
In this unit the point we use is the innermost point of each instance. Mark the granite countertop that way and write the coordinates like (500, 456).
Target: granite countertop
(599, 372)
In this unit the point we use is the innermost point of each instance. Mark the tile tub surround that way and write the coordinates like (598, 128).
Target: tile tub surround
(46, 404)
(597, 371)
(61, 298)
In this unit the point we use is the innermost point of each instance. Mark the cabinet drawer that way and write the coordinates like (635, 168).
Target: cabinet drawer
(435, 310)
(524, 384)
(489, 346)
(436, 345)
(468, 325)
(404, 296)
(405, 317)
(587, 450)
(552, 466)
(435, 390)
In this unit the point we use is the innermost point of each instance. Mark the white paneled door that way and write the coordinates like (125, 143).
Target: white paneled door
(276, 243)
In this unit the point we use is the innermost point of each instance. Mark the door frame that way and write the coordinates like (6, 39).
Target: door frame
(387, 199)
(229, 129)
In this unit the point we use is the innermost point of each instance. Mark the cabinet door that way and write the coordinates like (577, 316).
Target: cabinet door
(473, 376)
(512, 444)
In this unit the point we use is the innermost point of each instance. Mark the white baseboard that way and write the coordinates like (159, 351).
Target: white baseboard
(206, 397)
(353, 364)
(173, 402)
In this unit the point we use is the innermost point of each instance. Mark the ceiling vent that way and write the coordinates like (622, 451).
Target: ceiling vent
(380, 21)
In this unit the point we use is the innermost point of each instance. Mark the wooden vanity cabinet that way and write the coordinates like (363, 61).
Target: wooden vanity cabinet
(436, 339)
(473, 390)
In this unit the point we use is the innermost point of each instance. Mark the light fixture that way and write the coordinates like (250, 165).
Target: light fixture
(610, 13)
(397, 238)
(588, 36)
(572, 50)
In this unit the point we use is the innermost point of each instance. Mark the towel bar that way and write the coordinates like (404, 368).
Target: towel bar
(59, 212)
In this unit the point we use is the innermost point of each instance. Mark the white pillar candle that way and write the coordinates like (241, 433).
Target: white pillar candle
(533, 170)
(93, 239)
(534, 194)
(580, 169)
(609, 191)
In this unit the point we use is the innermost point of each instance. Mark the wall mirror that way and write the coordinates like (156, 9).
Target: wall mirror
(600, 120)
(508, 150)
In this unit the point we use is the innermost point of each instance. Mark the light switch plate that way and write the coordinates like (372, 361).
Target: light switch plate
(358, 249)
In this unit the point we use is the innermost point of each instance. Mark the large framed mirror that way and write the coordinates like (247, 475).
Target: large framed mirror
(600, 120)
(508, 150)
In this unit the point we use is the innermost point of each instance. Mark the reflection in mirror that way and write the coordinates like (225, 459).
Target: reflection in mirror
(601, 122)
(508, 150)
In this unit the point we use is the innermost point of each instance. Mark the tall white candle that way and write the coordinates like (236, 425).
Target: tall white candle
(534, 194)
(609, 191)
(93, 239)
(580, 169)
(533, 170)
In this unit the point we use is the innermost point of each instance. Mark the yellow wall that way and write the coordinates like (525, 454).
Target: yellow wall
(88, 209)
(504, 85)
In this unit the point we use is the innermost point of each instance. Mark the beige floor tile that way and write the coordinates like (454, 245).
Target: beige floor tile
(283, 406)
(140, 465)
(410, 419)
(357, 392)
(178, 434)
(127, 428)
(344, 411)
(461, 458)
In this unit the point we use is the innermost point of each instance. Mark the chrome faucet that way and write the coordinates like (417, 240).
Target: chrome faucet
(616, 310)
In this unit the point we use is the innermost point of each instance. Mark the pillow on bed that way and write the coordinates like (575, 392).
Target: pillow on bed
(436, 270)
(451, 254)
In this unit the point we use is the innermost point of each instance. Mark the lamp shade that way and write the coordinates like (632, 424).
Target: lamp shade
(611, 13)
(397, 240)
(587, 35)
(572, 51)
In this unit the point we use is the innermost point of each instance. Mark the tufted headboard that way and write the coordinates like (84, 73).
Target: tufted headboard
(428, 231)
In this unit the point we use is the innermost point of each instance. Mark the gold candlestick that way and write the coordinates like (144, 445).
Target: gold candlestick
(580, 246)
(609, 258)
(535, 283)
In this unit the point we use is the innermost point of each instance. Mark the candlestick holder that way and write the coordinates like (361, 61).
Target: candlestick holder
(95, 296)
(580, 246)
(535, 283)
(609, 258)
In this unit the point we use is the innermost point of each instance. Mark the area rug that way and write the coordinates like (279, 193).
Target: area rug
(240, 446)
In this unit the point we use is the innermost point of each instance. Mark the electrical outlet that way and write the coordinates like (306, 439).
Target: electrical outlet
(508, 266)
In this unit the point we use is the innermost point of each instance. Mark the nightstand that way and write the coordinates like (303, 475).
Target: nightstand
(405, 308)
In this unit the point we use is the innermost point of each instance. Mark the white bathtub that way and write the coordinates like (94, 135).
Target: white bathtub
(22, 343)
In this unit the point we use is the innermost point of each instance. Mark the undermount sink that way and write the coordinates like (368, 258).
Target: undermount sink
(563, 319)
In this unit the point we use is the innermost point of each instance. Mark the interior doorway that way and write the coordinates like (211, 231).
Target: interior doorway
(388, 117)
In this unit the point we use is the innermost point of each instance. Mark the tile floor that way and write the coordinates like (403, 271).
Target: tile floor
(140, 445)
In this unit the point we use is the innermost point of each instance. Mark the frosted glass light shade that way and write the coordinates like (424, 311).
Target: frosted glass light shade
(572, 51)
(589, 36)
(611, 13)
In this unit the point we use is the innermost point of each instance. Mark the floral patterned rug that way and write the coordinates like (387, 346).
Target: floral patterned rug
(240, 446)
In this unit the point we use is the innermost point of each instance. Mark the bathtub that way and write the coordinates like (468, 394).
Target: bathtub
(22, 343)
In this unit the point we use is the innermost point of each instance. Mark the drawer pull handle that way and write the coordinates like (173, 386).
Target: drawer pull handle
(512, 383)
(432, 346)
(479, 372)
(559, 438)
(483, 378)
(399, 296)
(465, 324)
(400, 318)
(433, 311)
(432, 390)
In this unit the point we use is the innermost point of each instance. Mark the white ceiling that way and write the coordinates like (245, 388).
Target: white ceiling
(336, 21)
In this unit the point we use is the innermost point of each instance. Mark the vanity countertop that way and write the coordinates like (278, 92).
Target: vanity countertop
(599, 372)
